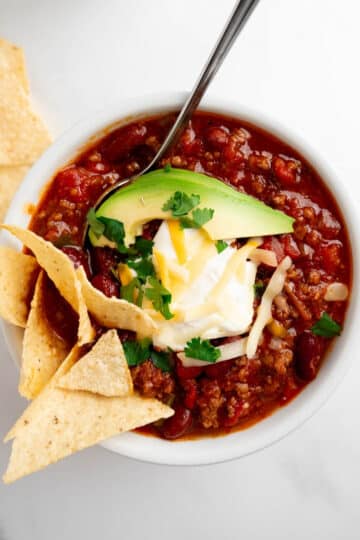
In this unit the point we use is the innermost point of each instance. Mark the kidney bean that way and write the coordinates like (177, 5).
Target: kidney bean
(103, 259)
(78, 257)
(308, 351)
(106, 285)
(177, 425)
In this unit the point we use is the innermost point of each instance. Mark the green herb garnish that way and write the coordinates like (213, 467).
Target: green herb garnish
(259, 288)
(180, 203)
(128, 291)
(200, 216)
(202, 350)
(161, 360)
(95, 224)
(167, 167)
(221, 245)
(137, 352)
(159, 296)
(326, 327)
(143, 246)
(143, 267)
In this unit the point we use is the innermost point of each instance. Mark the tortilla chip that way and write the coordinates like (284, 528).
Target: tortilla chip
(23, 136)
(18, 273)
(12, 60)
(61, 271)
(64, 422)
(34, 407)
(10, 179)
(114, 312)
(43, 350)
(104, 370)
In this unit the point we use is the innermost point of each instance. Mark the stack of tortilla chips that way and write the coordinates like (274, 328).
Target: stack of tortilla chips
(82, 392)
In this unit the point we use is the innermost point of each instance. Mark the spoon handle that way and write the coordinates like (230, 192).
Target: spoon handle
(236, 22)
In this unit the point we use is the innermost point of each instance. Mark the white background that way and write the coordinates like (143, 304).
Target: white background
(298, 61)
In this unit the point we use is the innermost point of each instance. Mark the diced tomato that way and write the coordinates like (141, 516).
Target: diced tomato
(232, 420)
(272, 244)
(290, 246)
(330, 255)
(187, 372)
(190, 388)
(218, 370)
(217, 137)
(73, 183)
(286, 171)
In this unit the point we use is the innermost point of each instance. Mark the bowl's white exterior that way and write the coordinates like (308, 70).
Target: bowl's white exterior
(205, 450)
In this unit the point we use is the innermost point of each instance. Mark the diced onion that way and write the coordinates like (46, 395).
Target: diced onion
(227, 352)
(263, 317)
(336, 292)
(263, 256)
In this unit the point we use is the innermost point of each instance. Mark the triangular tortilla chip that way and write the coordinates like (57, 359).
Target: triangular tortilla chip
(18, 273)
(64, 422)
(61, 271)
(103, 370)
(23, 136)
(12, 60)
(10, 179)
(34, 407)
(114, 312)
(43, 350)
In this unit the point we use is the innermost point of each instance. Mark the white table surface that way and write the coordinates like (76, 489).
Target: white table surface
(297, 60)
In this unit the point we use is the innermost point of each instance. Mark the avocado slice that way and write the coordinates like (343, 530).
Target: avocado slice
(236, 215)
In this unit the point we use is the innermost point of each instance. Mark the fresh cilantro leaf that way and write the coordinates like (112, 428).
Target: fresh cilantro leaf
(95, 224)
(259, 288)
(159, 296)
(132, 292)
(161, 360)
(200, 216)
(202, 350)
(221, 245)
(143, 246)
(167, 167)
(143, 268)
(326, 327)
(136, 352)
(180, 203)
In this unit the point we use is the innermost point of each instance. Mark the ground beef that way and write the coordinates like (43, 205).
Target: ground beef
(150, 381)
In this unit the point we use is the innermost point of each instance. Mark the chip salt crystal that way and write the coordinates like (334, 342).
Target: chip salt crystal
(263, 317)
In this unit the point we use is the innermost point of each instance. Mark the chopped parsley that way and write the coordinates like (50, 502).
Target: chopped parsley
(326, 327)
(180, 203)
(137, 352)
(202, 350)
(221, 245)
(143, 268)
(112, 229)
(161, 360)
(259, 288)
(159, 296)
(133, 292)
(199, 217)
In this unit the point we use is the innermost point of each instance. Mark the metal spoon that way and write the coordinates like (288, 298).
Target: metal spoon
(238, 18)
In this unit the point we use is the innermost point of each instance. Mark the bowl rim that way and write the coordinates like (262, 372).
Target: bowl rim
(284, 420)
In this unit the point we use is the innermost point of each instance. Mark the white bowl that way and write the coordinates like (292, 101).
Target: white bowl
(217, 449)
